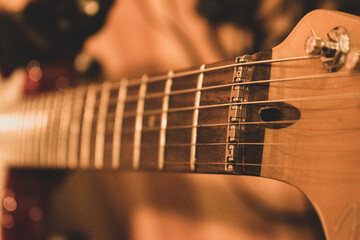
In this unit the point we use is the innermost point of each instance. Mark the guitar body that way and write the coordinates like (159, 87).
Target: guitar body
(320, 153)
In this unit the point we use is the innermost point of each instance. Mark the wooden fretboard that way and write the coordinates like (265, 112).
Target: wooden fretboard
(174, 122)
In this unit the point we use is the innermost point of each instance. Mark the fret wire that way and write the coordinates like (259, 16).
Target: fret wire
(4, 151)
(75, 126)
(44, 141)
(6, 137)
(37, 131)
(195, 119)
(25, 141)
(36, 113)
(116, 149)
(87, 126)
(7, 151)
(136, 82)
(46, 137)
(138, 122)
(101, 126)
(19, 121)
(64, 129)
(164, 115)
(32, 133)
(12, 136)
(22, 134)
(4, 154)
(47, 100)
(31, 129)
(288, 79)
(54, 129)
(38, 127)
(17, 134)
(26, 134)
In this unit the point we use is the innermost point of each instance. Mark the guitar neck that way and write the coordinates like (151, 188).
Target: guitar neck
(181, 121)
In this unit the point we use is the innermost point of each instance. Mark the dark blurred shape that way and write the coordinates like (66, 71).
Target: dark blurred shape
(49, 31)
(245, 14)
(87, 67)
(350, 6)
(239, 12)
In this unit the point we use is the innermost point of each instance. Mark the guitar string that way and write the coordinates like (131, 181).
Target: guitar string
(152, 79)
(152, 112)
(150, 129)
(209, 144)
(133, 98)
(236, 124)
(351, 96)
(136, 82)
(159, 111)
(261, 165)
(310, 77)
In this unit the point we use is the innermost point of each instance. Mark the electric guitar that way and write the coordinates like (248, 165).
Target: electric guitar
(291, 114)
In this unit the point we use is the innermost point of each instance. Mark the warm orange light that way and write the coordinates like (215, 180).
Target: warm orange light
(10, 204)
(34, 71)
(91, 8)
(35, 74)
(7, 221)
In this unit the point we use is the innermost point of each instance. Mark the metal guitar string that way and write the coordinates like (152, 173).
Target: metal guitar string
(162, 77)
(310, 77)
(324, 97)
(311, 98)
(263, 165)
(150, 129)
(153, 129)
(133, 98)
(137, 82)
(237, 143)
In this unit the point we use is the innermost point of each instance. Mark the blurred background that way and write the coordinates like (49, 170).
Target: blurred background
(54, 44)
